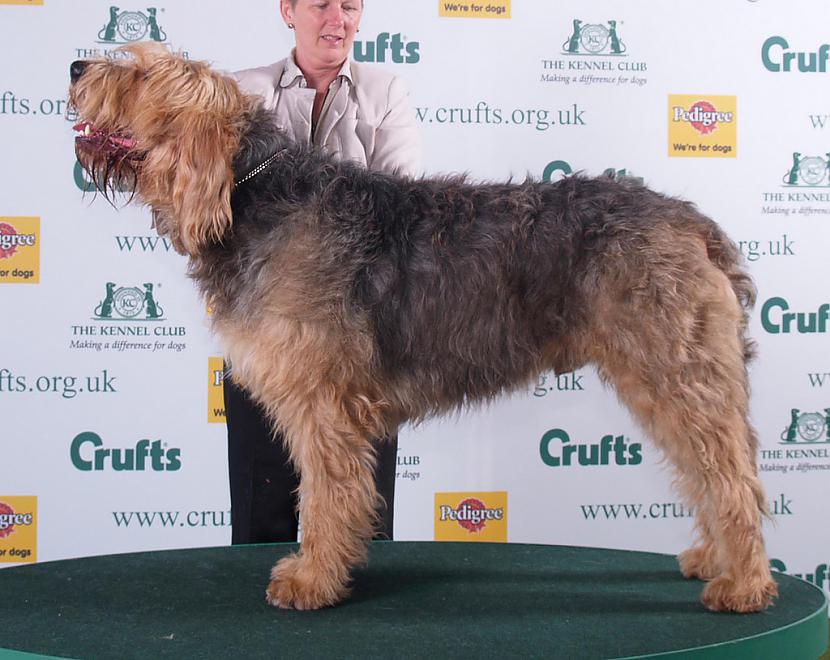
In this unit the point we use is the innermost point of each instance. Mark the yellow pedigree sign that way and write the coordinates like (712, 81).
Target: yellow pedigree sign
(479, 9)
(19, 250)
(216, 390)
(18, 529)
(703, 126)
(471, 516)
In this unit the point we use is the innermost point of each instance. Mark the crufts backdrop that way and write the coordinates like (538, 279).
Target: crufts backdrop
(112, 430)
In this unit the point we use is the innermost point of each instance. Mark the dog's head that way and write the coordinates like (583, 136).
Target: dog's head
(167, 126)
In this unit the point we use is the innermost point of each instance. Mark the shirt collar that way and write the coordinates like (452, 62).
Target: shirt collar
(292, 74)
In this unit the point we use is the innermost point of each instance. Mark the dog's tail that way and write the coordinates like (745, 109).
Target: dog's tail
(727, 257)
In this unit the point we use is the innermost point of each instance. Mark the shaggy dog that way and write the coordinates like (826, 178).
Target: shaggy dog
(350, 302)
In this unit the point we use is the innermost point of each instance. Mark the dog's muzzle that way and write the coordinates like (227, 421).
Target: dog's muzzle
(96, 141)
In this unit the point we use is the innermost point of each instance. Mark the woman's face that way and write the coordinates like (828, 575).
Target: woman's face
(324, 29)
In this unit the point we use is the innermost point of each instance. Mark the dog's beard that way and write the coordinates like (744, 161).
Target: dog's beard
(109, 159)
(110, 175)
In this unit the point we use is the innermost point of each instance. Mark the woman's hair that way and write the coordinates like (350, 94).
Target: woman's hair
(294, 3)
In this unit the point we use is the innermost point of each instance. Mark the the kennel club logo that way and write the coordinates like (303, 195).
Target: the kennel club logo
(471, 516)
(18, 529)
(802, 186)
(803, 444)
(594, 54)
(129, 303)
(125, 27)
(594, 39)
(808, 171)
(20, 250)
(807, 428)
(121, 26)
(128, 318)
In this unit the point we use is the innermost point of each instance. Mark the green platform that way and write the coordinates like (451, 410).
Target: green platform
(420, 600)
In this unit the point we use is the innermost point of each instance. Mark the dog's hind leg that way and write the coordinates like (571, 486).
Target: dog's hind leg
(673, 348)
(338, 505)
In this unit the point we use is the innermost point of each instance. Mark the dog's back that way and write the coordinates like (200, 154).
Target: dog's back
(464, 290)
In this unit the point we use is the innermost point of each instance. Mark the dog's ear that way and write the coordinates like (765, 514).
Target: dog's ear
(202, 181)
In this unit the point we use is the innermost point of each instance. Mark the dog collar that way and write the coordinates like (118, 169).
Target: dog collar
(259, 168)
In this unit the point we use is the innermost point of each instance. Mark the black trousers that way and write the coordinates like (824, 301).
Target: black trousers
(263, 481)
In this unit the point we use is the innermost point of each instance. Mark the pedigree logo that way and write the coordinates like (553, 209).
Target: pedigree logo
(703, 127)
(702, 116)
(38, 3)
(20, 250)
(216, 390)
(483, 9)
(471, 517)
(18, 529)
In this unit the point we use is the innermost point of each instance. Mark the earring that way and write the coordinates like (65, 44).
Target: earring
(290, 26)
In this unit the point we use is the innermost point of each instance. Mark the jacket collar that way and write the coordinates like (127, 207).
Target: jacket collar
(292, 75)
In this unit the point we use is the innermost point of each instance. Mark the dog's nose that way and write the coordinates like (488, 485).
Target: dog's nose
(76, 69)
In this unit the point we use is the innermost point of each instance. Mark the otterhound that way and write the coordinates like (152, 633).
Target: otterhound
(350, 302)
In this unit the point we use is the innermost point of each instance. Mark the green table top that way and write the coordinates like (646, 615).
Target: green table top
(413, 600)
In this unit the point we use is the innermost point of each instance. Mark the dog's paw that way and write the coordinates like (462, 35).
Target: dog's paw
(698, 563)
(296, 585)
(724, 594)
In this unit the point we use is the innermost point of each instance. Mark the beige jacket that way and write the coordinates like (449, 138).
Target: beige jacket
(366, 116)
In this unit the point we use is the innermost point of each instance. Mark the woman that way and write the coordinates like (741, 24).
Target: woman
(353, 112)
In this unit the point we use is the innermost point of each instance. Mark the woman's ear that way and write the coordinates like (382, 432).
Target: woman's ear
(287, 12)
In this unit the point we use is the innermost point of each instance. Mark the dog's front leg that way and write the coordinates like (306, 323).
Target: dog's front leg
(338, 506)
